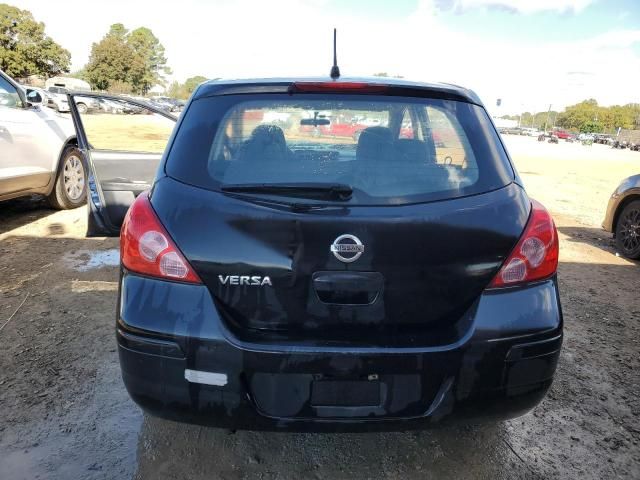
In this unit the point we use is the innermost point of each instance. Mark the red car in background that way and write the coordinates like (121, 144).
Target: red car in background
(562, 134)
(347, 129)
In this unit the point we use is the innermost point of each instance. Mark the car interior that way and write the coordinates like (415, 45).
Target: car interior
(380, 161)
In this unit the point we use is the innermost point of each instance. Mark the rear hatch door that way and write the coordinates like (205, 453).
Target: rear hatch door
(384, 239)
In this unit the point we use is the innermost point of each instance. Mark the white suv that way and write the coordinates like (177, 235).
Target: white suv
(38, 149)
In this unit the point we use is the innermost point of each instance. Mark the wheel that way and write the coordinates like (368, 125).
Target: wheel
(628, 231)
(70, 190)
(82, 108)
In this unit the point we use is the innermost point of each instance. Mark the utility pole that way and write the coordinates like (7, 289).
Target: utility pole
(547, 120)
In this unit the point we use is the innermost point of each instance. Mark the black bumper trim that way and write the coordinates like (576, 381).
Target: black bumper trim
(151, 346)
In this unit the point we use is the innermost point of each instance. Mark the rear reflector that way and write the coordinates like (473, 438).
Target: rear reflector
(205, 378)
(147, 248)
(336, 87)
(535, 257)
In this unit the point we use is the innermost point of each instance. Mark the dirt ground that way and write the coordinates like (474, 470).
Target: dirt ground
(64, 413)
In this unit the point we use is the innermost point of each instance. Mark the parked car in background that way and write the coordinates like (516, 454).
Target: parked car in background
(585, 137)
(511, 130)
(61, 94)
(68, 83)
(602, 138)
(109, 106)
(38, 149)
(563, 134)
(623, 217)
(621, 144)
(275, 279)
(531, 132)
(163, 103)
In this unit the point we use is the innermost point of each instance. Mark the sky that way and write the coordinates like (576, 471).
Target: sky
(529, 53)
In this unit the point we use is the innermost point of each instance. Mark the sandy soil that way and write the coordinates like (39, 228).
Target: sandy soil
(64, 413)
(135, 133)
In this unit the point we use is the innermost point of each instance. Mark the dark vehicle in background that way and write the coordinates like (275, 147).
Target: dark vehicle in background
(168, 104)
(276, 279)
(602, 138)
(623, 217)
(620, 144)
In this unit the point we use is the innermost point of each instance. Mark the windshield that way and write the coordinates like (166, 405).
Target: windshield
(388, 150)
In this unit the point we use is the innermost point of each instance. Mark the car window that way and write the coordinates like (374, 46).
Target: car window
(407, 129)
(451, 144)
(390, 150)
(119, 125)
(9, 95)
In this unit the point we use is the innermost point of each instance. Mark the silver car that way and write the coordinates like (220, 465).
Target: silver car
(38, 149)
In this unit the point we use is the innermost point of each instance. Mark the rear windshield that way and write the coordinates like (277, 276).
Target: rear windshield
(389, 150)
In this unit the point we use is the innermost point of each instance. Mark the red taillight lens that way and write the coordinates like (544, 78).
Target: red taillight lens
(536, 254)
(146, 248)
(338, 87)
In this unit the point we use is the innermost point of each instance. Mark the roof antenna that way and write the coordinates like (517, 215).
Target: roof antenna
(335, 70)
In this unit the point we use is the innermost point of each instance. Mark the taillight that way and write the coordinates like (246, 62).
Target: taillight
(535, 257)
(147, 248)
(337, 87)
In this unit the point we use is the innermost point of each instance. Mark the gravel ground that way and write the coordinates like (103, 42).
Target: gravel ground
(64, 413)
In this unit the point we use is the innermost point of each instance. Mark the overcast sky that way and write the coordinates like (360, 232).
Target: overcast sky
(530, 53)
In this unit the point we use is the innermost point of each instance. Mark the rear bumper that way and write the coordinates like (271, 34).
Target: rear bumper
(500, 369)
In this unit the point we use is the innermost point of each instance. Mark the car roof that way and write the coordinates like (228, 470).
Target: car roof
(395, 86)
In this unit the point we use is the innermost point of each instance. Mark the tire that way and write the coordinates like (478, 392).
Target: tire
(82, 108)
(628, 231)
(70, 189)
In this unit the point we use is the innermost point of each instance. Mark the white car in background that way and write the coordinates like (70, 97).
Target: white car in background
(38, 149)
(84, 106)
(585, 137)
(530, 132)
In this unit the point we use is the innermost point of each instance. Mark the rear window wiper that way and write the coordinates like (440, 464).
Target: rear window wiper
(332, 191)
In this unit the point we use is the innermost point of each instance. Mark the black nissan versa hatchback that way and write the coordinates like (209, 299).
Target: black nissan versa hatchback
(324, 255)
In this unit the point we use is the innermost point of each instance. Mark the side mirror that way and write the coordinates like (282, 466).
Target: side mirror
(34, 98)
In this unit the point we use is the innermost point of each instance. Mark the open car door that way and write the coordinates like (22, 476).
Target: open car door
(122, 141)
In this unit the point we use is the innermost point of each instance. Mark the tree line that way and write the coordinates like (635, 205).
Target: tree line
(122, 61)
(125, 61)
(586, 117)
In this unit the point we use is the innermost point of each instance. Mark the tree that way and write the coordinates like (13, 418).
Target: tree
(184, 90)
(588, 116)
(576, 116)
(191, 83)
(149, 63)
(110, 59)
(126, 58)
(25, 49)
